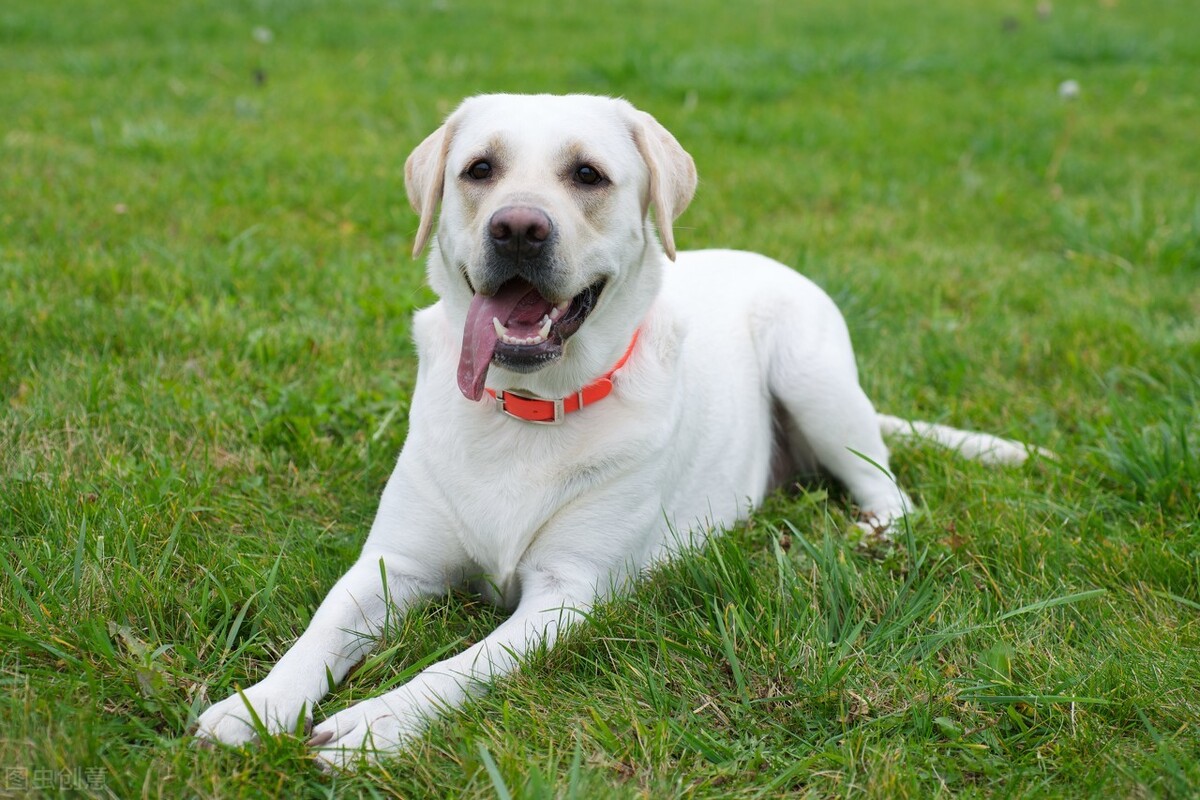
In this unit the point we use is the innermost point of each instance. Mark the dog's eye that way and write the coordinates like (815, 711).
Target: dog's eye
(589, 175)
(480, 170)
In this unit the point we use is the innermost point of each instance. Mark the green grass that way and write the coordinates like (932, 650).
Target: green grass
(205, 370)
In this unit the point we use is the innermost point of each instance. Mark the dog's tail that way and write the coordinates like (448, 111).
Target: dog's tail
(969, 444)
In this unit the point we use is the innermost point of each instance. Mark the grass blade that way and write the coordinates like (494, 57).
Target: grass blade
(1042, 605)
(493, 772)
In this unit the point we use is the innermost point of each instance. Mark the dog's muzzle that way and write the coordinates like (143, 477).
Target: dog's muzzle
(519, 328)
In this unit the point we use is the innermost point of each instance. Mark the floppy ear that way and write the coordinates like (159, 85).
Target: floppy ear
(672, 175)
(424, 175)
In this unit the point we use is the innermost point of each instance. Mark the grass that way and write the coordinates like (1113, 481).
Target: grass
(205, 369)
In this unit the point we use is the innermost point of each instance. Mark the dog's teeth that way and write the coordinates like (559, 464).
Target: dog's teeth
(541, 336)
(559, 310)
(522, 341)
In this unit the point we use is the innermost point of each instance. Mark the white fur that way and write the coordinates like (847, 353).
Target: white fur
(737, 356)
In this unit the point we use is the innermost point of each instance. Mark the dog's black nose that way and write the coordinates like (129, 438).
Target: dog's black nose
(519, 231)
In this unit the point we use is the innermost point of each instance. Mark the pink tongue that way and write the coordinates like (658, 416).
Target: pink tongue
(479, 334)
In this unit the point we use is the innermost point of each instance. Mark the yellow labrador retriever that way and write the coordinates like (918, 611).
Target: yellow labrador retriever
(583, 398)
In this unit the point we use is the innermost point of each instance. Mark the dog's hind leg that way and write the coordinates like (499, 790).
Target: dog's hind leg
(830, 420)
(838, 428)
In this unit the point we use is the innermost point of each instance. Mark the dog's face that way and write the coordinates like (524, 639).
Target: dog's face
(544, 203)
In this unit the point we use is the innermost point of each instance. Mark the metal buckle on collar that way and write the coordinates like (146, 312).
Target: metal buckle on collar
(557, 405)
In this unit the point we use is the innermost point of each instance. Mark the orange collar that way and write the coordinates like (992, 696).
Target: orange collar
(552, 412)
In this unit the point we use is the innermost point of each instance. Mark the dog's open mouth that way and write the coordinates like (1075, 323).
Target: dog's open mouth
(518, 329)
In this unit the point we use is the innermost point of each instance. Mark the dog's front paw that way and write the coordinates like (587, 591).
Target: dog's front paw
(240, 717)
(363, 733)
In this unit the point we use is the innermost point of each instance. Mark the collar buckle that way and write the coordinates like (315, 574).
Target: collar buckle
(557, 411)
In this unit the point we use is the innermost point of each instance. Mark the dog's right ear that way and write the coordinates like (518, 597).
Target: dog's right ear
(424, 177)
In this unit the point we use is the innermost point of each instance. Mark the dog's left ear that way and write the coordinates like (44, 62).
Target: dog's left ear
(672, 175)
(424, 177)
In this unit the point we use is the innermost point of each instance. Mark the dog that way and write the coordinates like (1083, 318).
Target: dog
(588, 402)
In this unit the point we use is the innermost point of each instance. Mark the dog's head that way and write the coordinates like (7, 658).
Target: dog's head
(544, 232)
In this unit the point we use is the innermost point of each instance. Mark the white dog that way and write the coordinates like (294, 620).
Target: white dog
(581, 404)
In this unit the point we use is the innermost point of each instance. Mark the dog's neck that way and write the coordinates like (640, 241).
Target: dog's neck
(553, 411)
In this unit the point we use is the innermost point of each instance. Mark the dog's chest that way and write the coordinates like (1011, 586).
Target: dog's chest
(506, 483)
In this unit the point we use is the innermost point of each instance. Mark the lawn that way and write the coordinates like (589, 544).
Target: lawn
(206, 365)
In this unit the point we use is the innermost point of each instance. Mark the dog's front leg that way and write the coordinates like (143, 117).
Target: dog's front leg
(341, 632)
(549, 602)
